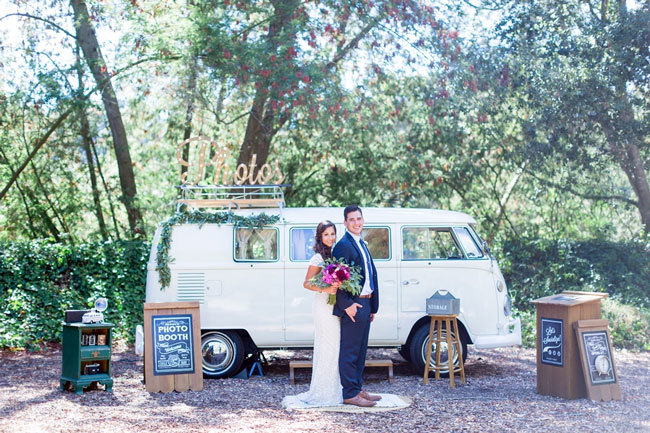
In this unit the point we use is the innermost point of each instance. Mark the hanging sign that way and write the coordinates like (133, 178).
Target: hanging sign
(172, 344)
(206, 153)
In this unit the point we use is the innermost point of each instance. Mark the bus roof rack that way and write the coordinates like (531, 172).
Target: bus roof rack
(231, 196)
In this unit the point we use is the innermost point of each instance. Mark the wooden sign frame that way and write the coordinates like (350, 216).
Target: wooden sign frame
(156, 381)
(597, 359)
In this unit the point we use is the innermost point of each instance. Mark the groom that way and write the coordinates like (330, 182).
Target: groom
(356, 312)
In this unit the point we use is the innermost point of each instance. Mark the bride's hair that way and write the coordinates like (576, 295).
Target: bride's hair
(319, 246)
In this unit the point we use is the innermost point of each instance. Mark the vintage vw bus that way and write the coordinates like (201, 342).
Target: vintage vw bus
(249, 282)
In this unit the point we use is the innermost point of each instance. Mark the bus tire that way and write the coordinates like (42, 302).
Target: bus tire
(418, 351)
(222, 354)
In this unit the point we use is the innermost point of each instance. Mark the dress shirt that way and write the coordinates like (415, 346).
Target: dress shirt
(366, 290)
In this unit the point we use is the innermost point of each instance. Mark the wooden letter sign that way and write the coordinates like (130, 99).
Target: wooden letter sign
(597, 359)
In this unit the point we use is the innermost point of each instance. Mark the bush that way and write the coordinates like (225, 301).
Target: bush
(629, 327)
(39, 280)
(537, 268)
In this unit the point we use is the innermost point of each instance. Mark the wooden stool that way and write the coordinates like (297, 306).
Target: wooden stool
(450, 324)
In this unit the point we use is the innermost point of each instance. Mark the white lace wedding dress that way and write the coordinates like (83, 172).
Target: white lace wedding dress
(325, 388)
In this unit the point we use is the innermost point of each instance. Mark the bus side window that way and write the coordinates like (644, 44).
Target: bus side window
(426, 243)
(256, 244)
(302, 244)
(473, 251)
(378, 240)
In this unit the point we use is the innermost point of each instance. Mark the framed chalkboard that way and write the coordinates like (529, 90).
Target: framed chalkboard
(173, 347)
(597, 359)
(552, 338)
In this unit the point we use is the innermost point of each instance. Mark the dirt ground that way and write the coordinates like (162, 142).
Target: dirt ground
(499, 396)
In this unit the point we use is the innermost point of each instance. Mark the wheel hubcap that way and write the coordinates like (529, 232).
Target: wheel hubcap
(217, 351)
(444, 352)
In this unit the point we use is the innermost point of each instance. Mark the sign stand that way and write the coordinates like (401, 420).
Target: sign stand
(558, 360)
(597, 358)
(172, 347)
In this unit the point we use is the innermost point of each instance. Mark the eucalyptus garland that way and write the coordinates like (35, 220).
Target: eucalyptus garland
(200, 217)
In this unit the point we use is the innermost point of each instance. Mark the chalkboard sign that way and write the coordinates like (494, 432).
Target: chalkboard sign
(173, 348)
(552, 341)
(599, 358)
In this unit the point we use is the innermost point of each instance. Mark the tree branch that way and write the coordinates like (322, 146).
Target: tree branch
(56, 26)
(40, 142)
(597, 197)
(353, 43)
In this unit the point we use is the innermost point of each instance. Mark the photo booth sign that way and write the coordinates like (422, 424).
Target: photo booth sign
(172, 344)
(172, 347)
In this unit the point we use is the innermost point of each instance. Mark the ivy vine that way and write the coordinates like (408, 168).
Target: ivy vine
(201, 217)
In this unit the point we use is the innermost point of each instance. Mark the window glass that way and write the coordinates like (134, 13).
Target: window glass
(302, 244)
(378, 239)
(422, 243)
(468, 243)
(256, 244)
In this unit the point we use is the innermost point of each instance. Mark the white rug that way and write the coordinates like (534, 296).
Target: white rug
(387, 402)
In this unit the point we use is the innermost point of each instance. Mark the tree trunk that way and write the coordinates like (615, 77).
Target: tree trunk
(30, 218)
(84, 131)
(88, 41)
(629, 159)
(108, 191)
(44, 191)
(261, 126)
(190, 96)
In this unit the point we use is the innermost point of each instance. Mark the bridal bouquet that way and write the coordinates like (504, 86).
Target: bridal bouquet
(337, 271)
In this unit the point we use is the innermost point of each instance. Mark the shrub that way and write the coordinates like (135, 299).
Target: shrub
(537, 268)
(629, 327)
(39, 280)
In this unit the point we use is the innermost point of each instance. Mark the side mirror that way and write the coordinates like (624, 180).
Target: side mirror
(486, 248)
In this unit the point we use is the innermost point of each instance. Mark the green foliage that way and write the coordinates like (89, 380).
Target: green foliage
(536, 268)
(39, 280)
(528, 326)
(629, 327)
(200, 218)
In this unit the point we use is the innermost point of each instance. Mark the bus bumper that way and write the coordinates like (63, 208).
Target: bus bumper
(509, 335)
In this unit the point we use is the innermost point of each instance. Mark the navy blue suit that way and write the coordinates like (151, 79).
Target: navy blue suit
(354, 335)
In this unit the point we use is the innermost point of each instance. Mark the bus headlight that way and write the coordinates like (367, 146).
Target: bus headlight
(507, 305)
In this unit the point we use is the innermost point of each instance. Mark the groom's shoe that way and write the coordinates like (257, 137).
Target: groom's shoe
(370, 397)
(359, 401)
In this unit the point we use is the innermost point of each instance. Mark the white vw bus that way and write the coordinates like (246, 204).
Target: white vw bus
(249, 282)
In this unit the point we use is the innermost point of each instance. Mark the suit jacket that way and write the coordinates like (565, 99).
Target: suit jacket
(348, 250)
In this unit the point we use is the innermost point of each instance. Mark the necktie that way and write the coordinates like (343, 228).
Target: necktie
(371, 280)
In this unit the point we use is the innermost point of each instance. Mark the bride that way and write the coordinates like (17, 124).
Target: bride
(325, 388)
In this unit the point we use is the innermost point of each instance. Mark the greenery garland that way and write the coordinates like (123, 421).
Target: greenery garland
(200, 218)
